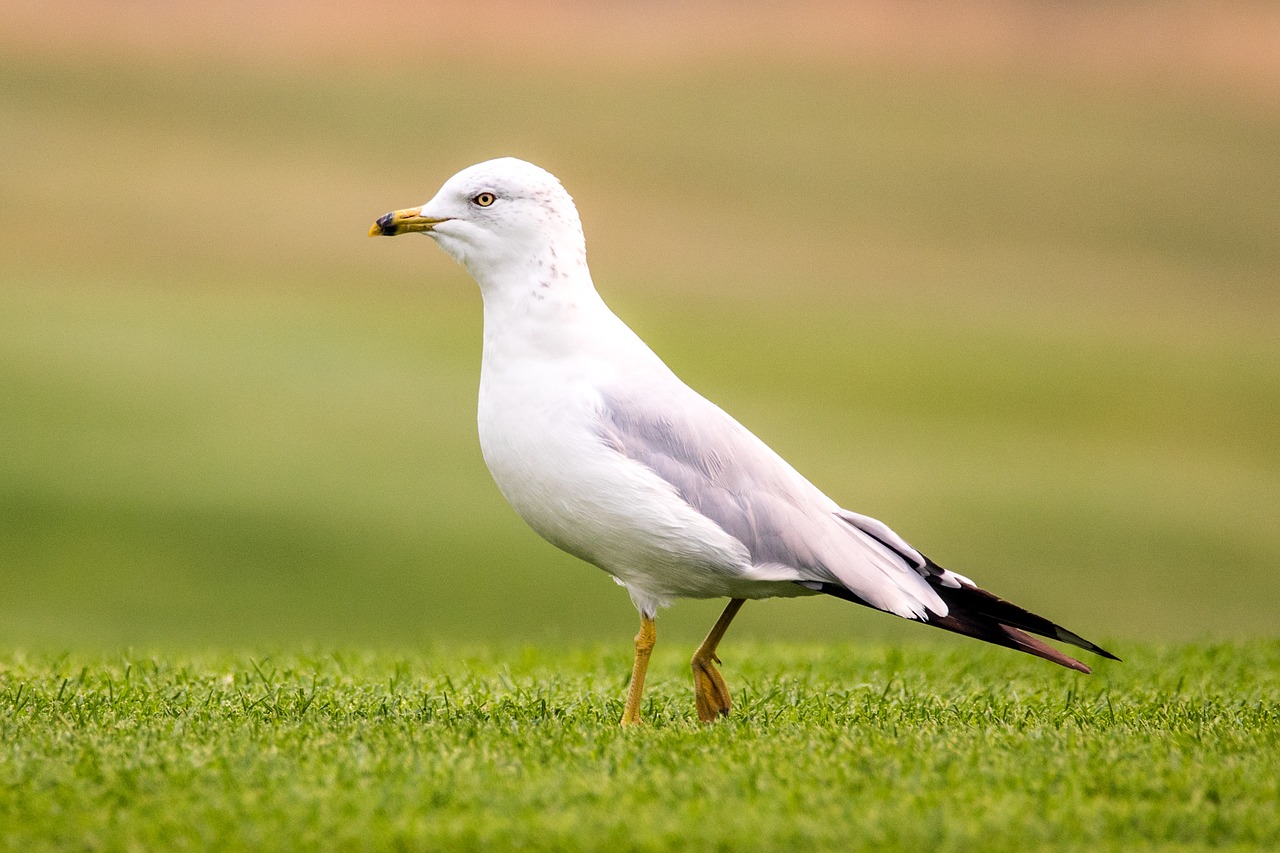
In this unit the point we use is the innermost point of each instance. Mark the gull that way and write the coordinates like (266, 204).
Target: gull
(607, 455)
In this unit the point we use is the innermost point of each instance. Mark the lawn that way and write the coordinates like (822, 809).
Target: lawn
(839, 747)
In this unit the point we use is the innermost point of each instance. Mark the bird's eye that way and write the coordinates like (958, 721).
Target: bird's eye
(485, 199)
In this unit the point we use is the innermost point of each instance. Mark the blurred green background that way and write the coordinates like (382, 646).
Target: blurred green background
(1029, 315)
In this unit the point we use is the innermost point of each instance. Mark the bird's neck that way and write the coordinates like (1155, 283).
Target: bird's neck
(545, 309)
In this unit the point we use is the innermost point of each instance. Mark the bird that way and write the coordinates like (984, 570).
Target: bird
(605, 453)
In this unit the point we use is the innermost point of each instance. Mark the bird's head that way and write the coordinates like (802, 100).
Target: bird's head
(496, 214)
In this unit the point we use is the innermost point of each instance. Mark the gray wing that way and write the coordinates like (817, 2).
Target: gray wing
(728, 475)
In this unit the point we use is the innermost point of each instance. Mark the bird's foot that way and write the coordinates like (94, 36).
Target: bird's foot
(709, 690)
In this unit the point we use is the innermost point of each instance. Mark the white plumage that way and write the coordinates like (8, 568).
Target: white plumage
(605, 453)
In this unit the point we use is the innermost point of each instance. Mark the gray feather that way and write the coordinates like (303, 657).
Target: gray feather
(722, 471)
(728, 475)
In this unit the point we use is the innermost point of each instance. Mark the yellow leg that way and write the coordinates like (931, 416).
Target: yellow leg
(709, 690)
(644, 647)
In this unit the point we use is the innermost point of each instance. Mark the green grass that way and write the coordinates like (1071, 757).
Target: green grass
(840, 747)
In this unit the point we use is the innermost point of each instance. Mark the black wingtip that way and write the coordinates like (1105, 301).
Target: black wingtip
(1065, 636)
(1101, 652)
(979, 614)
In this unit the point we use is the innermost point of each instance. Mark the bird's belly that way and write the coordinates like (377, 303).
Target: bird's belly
(575, 491)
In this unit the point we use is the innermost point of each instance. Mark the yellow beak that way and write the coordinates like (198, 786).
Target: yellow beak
(402, 222)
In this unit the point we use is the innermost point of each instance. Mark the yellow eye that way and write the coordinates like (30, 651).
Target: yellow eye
(485, 199)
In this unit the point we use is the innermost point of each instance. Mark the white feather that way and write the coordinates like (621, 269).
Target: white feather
(556, 363)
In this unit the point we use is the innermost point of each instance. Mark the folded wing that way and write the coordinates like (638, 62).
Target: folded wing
(793, 531)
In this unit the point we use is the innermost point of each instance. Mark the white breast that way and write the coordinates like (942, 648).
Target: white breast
(538, 420)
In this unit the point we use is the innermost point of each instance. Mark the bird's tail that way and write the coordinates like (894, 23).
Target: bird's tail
(976, 613)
